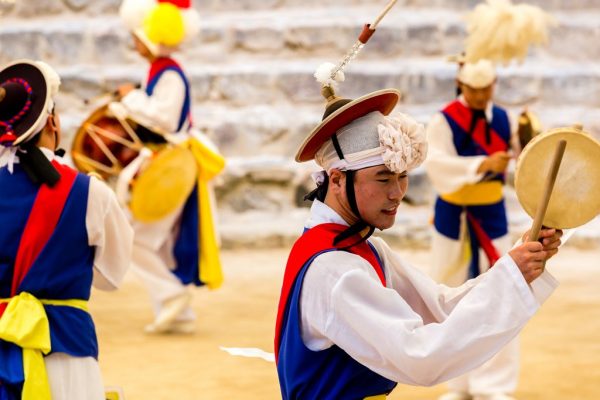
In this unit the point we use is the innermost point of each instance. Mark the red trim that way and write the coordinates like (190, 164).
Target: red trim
(463, 115)
(43, 218)
(178, 3)
(314, 241)
(159, 65)
(485, 242)
(383, 102)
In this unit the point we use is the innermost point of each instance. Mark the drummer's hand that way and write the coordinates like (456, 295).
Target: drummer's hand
(530, 258)
(123, 90)
(550, 239)
(497, 162)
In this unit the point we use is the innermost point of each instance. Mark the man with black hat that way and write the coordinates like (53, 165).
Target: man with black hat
(62, 232)
(354, 318)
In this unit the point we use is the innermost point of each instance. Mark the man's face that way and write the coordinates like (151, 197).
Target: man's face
(378, 194)
(140, 47)
(477, 99)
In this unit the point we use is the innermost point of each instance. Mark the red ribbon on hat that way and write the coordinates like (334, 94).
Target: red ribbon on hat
(179, 3)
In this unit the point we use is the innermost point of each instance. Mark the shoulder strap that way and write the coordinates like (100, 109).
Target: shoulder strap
(45, 213)
(313, 242)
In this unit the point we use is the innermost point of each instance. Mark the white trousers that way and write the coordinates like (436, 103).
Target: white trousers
(74, 378)
(153, 261)
(451, 267)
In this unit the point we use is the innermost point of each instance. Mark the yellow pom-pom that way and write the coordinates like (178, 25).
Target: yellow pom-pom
(164, 25)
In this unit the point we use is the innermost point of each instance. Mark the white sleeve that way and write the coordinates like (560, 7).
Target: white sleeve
(447, 170)
(163, 108)
(110, 233)
(382, 329)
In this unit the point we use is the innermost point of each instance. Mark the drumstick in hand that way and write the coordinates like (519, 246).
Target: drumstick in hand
(548, 186)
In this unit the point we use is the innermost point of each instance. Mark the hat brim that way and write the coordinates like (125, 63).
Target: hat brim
(383, 101)
(30, 72)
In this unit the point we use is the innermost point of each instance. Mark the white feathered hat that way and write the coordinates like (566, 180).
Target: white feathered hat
(162, 25)
(477, 75)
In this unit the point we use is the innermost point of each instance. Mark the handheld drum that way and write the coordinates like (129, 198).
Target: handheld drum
(575, 198)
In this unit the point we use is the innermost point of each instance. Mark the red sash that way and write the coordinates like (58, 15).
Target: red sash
(45, 213)
(484, 241)
(316, 240)
(463, 116)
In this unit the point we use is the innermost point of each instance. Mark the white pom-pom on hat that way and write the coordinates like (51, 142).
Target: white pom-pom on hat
(323, 75)
(477, 75)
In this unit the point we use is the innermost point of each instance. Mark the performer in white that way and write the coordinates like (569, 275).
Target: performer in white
(167, 253)
(352, 323)
(62, 233)
(470, 141)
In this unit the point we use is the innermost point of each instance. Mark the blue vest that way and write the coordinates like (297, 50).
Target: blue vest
(326, 374)
(63, 270)
(492, 218)
(171, 65)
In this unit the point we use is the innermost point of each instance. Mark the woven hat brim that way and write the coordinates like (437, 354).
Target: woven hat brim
(383, 101)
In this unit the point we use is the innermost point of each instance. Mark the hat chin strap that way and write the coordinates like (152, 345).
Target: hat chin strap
(359, 225)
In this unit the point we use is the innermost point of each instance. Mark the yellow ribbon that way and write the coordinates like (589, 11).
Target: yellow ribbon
(25, 324)
(482, 193)
(210, 163)
(378, 397)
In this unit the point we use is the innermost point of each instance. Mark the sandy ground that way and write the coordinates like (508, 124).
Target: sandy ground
(560, 347)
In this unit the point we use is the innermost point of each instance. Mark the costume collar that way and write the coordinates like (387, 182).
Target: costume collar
(488, 109)
(321, 213)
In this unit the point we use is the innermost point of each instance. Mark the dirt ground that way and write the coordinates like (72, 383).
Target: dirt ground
(560, 347)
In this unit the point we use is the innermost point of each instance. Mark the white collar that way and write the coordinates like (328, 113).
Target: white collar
(488, 109)
(321, 213)
(9, 156)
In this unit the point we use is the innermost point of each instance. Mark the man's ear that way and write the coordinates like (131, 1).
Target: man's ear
(337, 179)
(52, 121)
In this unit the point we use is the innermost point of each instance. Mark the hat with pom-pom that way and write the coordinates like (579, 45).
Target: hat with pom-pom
(161, 25)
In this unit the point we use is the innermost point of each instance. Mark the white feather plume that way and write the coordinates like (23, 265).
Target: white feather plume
(323, 75)
(501, 31)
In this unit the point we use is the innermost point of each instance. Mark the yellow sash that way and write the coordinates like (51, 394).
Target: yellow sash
(25, 324)
(478, 194)
(210, 163)
(378, 397)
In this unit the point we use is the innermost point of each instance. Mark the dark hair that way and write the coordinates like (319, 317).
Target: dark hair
(321, 190)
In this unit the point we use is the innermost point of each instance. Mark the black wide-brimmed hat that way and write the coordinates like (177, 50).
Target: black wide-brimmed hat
(24, 98)
(340, 113)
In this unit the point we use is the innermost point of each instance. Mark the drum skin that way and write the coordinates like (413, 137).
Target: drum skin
(94, 150)
(575, 199)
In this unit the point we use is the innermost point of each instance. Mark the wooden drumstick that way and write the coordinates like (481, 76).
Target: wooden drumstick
(549, 185)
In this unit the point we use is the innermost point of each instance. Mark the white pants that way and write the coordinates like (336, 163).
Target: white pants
(450, 266)
(153, 261)
(74, 378)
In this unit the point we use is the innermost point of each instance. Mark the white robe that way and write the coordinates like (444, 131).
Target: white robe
(153, 258)
(414, 331)
(448, 172)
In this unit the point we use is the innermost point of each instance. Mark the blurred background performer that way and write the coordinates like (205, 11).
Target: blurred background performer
(181, 248)
(471, 141)
(62, 232)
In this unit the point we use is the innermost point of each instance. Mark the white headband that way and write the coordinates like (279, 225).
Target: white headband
(397, 142)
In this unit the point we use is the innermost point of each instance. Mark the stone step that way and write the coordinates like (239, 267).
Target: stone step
(553, 83)
(285, 34)
(95, 7)
(219, 5)
(279, 130)
(259, 229)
